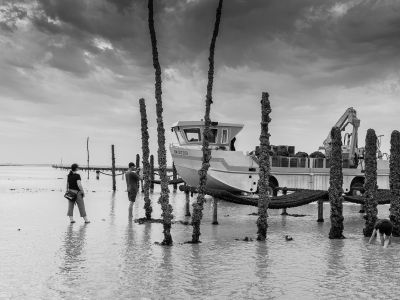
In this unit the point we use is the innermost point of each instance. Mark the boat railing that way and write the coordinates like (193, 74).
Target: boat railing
(303, 162)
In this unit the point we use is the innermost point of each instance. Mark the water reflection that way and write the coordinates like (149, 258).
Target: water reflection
(261, 267)
(129, 236)
(73, 264)
(165, 270)
(112, 208)
(194, 270)
(336, 266)
(146, 233)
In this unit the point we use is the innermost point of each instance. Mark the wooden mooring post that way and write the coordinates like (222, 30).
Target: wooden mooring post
(187, 204)
(138, 167)
(87, 150)
(215, 211)
(320, 211)
(174, 177)
(284, 192)
(151, 173)
(114, 185)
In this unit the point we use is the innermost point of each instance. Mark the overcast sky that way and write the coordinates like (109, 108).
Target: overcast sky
(77, 68)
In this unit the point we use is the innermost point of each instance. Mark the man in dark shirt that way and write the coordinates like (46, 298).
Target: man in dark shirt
(132, 183)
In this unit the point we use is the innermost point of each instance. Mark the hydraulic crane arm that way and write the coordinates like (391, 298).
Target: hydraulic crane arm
(349, 117)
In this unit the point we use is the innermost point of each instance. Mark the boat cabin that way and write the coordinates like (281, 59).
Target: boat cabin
(191, 133)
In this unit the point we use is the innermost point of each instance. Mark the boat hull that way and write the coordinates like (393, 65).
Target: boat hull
(232, 171)
(235, 171)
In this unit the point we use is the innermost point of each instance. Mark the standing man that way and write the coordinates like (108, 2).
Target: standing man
(132, 183)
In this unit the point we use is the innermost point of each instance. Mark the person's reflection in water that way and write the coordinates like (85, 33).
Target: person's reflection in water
(73, 266)
(132, 265)
(130, 241)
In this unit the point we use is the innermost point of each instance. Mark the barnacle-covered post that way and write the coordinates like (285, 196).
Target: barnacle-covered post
(215, 211)
(263, 196)
(114, 185)
(320, 208)
(187, 203)
(336, 186)
(370, 186)
(138, 161)
(284, 210)
(146, 165)
(88, 156)
(198, 205)
(138, 167)
(162, 155)
(174, 177)
(151, 172)
(394, 179)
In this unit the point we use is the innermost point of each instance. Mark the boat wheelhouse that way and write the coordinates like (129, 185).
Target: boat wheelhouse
(190, 133)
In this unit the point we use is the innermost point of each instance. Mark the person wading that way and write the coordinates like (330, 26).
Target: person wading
(74, 185)
(132, 183)
(383, 228)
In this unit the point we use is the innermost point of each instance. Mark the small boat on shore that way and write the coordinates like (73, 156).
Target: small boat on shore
(237, 171)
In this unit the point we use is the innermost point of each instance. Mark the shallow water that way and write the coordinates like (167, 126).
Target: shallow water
(112, 258)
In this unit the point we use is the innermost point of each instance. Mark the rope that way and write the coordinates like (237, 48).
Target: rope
(110, 174)
(177, 181)
(298, 198)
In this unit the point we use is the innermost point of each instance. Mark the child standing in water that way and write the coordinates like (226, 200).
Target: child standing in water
(384, 229)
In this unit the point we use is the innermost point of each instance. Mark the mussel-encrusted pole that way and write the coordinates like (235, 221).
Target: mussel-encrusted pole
(88, 156)
(198, 205)
(114, 184)
(263, 197)
(162, 155)
(151, 172)
(394, 179)
(370, 186)
(174, 177)
(138, 161)
(138, 167)
(336, 186)
(146, 153)
(187, 204)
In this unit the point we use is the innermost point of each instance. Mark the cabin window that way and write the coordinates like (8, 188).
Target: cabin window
(179, 137)
(224, 138)
(192, 134)
(213, 136)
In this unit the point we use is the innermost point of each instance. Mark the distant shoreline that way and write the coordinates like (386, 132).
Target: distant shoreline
(22, 165)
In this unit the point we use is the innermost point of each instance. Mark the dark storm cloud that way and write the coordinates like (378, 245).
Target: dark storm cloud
(349, 42)
(82, 64)
(10, 14)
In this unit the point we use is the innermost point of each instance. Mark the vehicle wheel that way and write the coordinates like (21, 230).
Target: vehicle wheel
(272, 189)
(356, 189)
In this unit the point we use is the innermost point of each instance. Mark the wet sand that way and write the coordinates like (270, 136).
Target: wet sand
(114, 258)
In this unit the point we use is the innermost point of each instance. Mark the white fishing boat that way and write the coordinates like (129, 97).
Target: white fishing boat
(237, 171)
(229, 170)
